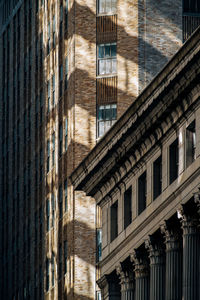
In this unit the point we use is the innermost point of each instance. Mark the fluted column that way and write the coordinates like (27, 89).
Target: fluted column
(141, 270)
(173, 278)
(126, 282)
(110, 289)
(157, 268)
(191, 252)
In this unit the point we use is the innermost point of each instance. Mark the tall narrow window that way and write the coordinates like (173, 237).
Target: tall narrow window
(49, 96)
(52, 210)
(65, 257)
(66, 14)
(107, 59)
(47, 274)
(60, 79)
(173, 161)
(190, 143)
(60, 139)
(127, 207)
(52, 270)
(65, 186)
(60, 262)
(49, 38)
(53, 149)
(157, 177)
(66, 72)
(114, 221)
(54, 31)
(60, 195)
(53, 87)
(106, 117)
(48, 214)
(48, 156)
(142, 193)
(99, 244)
(66, 128)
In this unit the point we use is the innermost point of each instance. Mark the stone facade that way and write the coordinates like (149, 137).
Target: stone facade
(154, 256)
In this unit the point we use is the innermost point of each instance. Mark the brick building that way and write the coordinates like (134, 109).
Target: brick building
(68, 70)
(145, 176)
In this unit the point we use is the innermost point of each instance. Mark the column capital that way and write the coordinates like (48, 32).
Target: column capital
(155, 248)
(171, 234)
(126, 277)
(140, 264)
(189, 221)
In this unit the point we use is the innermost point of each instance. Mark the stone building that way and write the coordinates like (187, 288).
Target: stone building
(145, 176)
(68, 70)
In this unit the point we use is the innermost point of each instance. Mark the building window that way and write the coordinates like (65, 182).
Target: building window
(47, 274)
(53, 87)
(99, 244)
(60, 196)
(60, 79)
(49, 38)
(65, 186)
(142, 193)
(106, 117)
(66, 72)
(48, 156)
(157, 177)
(127, 207)
(65, 257)
(48, 214)
(107, 6)
(53, 149)
(60, 262)
(191, 6)
(66, 127)
(60, 139)
(190, 143)
(114, 221)
(52, 270)
(52, 210)
(173, 161)
(66, 14)
(49, 96)
(107, 59)
(54, 31)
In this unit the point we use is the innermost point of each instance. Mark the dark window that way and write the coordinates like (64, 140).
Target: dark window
(60, 139)
(157, 177)
(65, 257)
(60, 262)
(190, 143)
(114, 221)
(127, 207)
(48, 214)
(53, 87)
(173, 161)
(52, 270)
(142, 193)
(52, 210)
(191, 6)
(99, 244)
(53, 149)
(65, 187)
(47, 274)
(66, 127)
(60, 195)
(106, 117)
(48, 156)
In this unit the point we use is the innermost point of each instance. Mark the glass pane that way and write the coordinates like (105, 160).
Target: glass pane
(114, 6)
(107, 50)
(113, 50)
(101, 52)
(107, 125)
(101, 113)
(114, 112)
(101, 66)
(101, 6)
(100, 129)
(114, 65)
(108, 5)
(108, 66)
(107, 112)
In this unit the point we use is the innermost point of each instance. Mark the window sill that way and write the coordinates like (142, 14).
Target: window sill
(106, 14)
(106, 75)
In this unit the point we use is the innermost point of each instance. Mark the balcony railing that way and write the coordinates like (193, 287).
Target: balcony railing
(190, 23)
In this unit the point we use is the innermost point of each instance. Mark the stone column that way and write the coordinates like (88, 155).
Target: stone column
(141, 270)
(110, 289)
(157, 268)
(173, 279)
(126, 282)
(191, 252)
